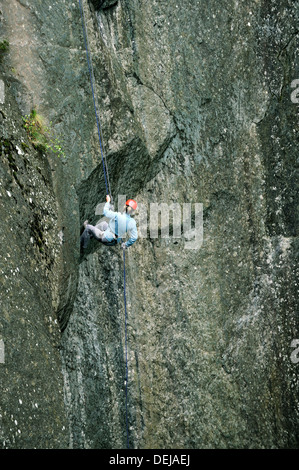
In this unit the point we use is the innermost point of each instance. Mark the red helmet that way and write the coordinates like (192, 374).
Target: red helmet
(132, 203)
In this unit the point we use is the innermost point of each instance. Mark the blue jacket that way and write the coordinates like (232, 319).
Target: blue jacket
(119, 225)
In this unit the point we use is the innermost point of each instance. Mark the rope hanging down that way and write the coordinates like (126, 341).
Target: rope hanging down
(92, 82)
(126, 348)
(108, 188)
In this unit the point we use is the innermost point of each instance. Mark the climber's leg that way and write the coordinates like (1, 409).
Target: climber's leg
(90, 232)
(102, 226)
(108, 237)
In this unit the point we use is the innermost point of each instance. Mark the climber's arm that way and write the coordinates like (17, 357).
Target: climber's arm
(133, 234)
(107, 211)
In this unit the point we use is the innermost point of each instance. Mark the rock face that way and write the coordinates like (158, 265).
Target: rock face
(195, 107)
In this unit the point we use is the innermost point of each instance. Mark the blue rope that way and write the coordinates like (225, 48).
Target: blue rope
(93, 94)
(126, 348)
(107, 192)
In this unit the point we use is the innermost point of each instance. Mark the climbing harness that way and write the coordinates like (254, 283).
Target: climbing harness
(108, 189)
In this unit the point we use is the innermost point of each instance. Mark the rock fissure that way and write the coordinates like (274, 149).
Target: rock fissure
(195, 107)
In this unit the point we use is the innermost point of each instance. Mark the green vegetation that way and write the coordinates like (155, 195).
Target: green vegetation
(41, 136)
(4, 45)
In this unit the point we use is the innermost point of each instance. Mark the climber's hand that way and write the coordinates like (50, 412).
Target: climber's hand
(108, 198)
(124, 246)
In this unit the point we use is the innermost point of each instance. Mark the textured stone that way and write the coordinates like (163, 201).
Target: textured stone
(103, 3)
(195, 106)
(32, 412)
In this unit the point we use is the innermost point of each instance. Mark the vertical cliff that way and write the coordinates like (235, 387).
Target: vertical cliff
(195, 107)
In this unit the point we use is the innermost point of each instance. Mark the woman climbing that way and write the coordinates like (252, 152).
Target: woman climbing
(112, 233)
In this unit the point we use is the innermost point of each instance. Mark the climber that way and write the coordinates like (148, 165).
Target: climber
(112, 233)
